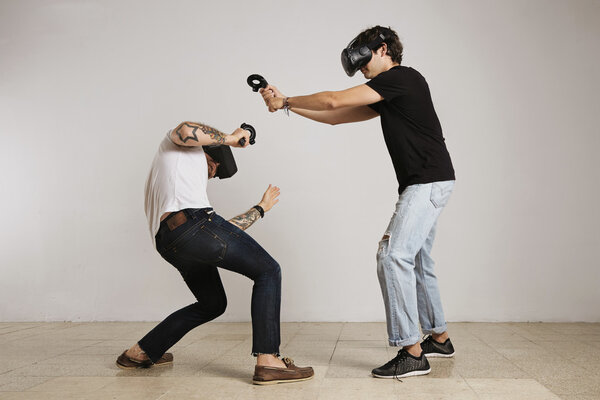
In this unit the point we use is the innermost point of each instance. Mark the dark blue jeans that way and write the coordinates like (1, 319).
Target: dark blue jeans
(196, 248)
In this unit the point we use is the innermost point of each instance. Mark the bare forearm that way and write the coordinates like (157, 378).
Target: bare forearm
(197, 134)
(339, 116)
(321, 101)
(319, 116)
(245, 220)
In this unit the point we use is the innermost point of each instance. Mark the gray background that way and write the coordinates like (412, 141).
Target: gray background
(89, 88)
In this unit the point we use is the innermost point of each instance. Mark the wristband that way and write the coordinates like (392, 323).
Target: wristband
(260, 210)
(286, 106)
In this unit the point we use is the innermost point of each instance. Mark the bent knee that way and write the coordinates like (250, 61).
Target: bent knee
(220, 307)
(382, 250)
(400, 255)
(275, 269)
(269, 270)
(214, 308)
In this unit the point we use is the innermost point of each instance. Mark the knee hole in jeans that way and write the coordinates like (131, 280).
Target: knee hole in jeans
(382, 244)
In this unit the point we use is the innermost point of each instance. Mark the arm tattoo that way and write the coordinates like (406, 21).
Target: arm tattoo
(244, 221)
(215, 135)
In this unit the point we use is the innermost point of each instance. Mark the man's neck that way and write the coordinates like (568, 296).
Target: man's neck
(390, 66)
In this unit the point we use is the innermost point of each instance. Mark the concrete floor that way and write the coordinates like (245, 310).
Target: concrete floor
(493, 361)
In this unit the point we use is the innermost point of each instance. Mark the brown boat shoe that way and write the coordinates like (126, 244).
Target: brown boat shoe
(126, 362)
(264, 375)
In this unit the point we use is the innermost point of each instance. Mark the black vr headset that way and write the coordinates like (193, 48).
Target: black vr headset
(354, 58)
(223, 155)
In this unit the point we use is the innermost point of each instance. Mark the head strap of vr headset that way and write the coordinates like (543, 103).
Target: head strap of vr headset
(373, 44)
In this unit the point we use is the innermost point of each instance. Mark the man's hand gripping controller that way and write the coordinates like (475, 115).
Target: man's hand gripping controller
(252, 131)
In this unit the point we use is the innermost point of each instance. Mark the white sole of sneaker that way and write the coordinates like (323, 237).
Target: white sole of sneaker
(406, 375)
(439, 355)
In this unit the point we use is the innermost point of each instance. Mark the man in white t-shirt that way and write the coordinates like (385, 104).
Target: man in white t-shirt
(194, 239)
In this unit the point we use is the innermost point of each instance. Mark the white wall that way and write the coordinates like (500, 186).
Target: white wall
(88, 89)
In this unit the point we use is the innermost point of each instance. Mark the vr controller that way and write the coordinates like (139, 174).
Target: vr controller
(252, 131)
(256, 82)
(223, 155)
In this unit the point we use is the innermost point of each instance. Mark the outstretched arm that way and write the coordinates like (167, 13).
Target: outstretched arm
(327, 107)
(339, 116)
(269, 199)
(197, 134)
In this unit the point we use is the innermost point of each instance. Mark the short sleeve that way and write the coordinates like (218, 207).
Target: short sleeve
(388, 84)
(376, 106)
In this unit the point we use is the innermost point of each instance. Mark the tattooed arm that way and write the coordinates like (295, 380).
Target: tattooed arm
(243, 221)
(196, 134)
(269, 199)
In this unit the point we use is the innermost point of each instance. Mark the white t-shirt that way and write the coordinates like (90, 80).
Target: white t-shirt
(177, 180)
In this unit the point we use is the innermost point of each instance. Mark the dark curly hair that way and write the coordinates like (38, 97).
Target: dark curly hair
(394, 46)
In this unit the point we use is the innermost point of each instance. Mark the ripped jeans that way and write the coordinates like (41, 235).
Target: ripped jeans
(405, 267)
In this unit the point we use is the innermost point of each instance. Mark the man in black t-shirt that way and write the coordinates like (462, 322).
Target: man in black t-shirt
(413, 136)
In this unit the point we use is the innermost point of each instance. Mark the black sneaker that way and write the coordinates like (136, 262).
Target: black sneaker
(433, 349)
(403, 365)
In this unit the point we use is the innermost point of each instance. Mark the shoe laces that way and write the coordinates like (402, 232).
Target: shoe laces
(402, 355)
(287, 361)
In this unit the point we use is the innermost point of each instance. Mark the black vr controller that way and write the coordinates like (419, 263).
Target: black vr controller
(257, 82)
(252, 131)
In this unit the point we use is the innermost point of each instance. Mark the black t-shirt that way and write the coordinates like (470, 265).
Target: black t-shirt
(411, 128)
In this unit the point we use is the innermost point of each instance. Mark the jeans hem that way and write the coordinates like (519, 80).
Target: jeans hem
(153, 359)
(437, 330)
(403, 342)
(259, 353)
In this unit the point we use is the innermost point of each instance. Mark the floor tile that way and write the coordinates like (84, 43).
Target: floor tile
(526, 388)
(72, 384)
(21, 383)
(358, 388)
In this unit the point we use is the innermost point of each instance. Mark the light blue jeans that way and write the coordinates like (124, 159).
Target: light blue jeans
(405, 267)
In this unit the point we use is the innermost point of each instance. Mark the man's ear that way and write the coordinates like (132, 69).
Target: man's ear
(383, 49)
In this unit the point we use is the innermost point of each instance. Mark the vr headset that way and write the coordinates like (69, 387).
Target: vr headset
(354, 58)
(223, 155)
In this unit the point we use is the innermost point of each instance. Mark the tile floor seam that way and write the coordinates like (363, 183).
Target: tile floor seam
(292, 338)
(470, 387)
(54, 356)
(17, 330)
(20, 330)
(336, 344)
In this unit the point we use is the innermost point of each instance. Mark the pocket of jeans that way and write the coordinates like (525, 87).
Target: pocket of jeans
(200, 244)
(440, 193)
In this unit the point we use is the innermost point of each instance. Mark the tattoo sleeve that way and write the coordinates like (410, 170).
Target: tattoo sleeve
(188, 131)
(243, 221)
